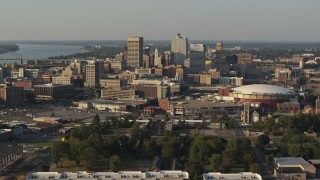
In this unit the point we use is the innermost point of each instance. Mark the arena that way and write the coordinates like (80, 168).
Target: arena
(266, 95)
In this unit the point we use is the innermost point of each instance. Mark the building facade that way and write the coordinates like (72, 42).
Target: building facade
(244, 58)
(62, 79)
(94, 71)
(205, 78)
(179, 48)
(115, 93)
(113, 83)
(135, 52)
(137, 175)
(197, 58)
(51, 91)
(11, 95)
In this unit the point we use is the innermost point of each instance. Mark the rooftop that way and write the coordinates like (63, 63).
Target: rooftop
(262, 89)
(52, 85)
(290, 170)
(233, 176)
(110, 175)
(289, 161)
(205, 104)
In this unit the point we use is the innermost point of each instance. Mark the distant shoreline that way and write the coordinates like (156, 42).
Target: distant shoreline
(4, 48)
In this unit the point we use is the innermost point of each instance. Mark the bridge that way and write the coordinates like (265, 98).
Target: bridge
(15, 56)
(18, 57)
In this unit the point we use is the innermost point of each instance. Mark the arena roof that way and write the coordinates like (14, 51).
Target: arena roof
(262, 89)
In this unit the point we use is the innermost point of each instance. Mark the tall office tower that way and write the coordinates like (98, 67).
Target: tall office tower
(93, 74)
(318, 106)
(157, 58)
(135, 52)
(179, 47)
(1, 75)
(217, 56)
(219, 47)
(197, 58)
(146, 61)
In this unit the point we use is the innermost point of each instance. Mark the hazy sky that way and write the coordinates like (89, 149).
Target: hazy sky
(272, 20)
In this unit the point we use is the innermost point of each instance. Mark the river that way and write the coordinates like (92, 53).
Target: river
(39, 51)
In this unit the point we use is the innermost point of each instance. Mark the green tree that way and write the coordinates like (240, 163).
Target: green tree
(225, 119)
(75, 148)
(214, 118)
(262, 141)
(269, 125)
(59, 151)
(114, 163)
(96, 141)
(172, 146)
(90, 155)
(151, 147)
(198, 156)
(255, 168)
(215, 162)
(96, 120)
(236, 150)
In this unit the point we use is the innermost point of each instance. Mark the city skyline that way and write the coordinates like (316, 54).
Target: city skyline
(247, 20)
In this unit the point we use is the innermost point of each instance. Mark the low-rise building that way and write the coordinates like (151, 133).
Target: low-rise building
(231, 81)
(51, 91)
(195, 107)
(103, 105)
(293, 168)
(50, 120)
(288, 107)
(231, 176)
(137, 175)
(62, 79)
(115, 93)
(113, 83)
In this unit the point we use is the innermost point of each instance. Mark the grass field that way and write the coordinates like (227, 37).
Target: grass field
(42, 144)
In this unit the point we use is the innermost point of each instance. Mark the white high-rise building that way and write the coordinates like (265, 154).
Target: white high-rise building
(157, 58)
(179, 47)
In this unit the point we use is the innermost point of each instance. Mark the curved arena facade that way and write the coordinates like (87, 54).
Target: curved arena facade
(262, 93)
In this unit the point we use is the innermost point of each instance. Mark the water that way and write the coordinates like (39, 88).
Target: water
(39, 51)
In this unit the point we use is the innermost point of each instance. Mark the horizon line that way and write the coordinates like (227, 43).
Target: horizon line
(84, 40)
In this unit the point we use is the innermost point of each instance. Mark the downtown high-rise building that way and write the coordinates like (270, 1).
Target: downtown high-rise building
(179, 47)
(135, 52)
(196, 58)
(94, 71)
(1, 75)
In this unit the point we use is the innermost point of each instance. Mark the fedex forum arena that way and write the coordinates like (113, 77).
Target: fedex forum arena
(265, 94)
